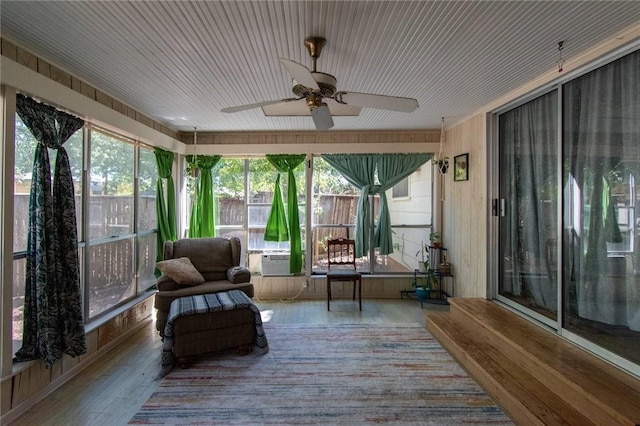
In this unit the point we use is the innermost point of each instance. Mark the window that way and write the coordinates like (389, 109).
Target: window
(401, 189)
(111, 272)
(334, 213)
(411, 219)
(146, 252)
(25, 147)
(229, 198)
(335, 204)
(334, 207)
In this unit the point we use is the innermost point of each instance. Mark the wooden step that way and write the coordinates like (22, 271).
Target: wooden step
(520, 395)
(600, 391)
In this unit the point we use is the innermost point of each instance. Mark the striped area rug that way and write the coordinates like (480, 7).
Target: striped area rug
(344, 374)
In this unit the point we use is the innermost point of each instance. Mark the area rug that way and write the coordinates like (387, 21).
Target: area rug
(334, 374)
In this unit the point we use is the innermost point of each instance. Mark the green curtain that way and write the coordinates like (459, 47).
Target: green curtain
(392, 168)
(360, 171)
(202, 220)
(277, 229)
(53, 322)
(165, 210)
(276, 225)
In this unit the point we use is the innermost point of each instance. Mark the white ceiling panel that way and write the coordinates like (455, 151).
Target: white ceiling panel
(181, 62)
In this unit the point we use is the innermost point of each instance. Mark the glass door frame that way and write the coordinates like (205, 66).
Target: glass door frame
(496, 209)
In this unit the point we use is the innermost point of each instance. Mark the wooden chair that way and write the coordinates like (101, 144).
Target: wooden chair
(341, 254)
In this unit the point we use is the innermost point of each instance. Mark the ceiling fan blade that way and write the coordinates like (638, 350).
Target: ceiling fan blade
(392, 103)
(256, 105)
(322, 117)
(300, 73)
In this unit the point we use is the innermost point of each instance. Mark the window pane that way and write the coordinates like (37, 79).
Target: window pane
(528, 184)
(262, 178)
(400, 189)
(228, 187)
(147, 260)
(235, 232)
(147, 179)
(601, 166)
(19, 271)
(111, 275)
(112, 181)
(24, 152)
(25, 148)
(410, 223)
(74, 149)
(335, 203)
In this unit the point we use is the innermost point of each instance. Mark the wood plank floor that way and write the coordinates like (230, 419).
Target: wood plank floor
(110, 391)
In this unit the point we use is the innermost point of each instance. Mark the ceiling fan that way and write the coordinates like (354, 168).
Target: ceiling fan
(314, 87)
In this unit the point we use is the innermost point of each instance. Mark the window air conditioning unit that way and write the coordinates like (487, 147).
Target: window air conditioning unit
(275, 264)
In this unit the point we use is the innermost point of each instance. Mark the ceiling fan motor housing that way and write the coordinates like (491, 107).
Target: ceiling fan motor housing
(326, 82)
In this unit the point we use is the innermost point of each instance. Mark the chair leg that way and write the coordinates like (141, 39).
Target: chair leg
(354, 291)
(328, 295)
(359, 293)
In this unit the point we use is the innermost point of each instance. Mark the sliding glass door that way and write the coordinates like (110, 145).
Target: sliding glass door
(568, 164)
(601, 150)
(528, 204)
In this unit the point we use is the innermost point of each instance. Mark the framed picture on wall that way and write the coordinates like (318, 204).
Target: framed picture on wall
(461, 167)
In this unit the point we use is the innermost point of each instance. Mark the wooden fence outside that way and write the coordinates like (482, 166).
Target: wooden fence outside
(111, 274)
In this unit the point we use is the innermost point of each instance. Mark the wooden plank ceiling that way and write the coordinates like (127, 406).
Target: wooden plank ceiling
(180, 62)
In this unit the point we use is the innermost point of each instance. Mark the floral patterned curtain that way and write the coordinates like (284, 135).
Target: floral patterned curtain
(53, 322)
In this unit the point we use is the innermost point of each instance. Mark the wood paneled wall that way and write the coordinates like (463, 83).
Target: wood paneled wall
(466, 208)
(32, 383)
(313, 138)
(276, 287)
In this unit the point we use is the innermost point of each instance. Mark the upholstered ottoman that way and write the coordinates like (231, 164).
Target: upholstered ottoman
(211, 322)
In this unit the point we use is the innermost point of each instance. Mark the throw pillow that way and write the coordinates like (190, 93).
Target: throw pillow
(181, 270)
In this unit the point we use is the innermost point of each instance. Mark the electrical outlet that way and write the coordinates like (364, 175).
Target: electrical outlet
(304, 284)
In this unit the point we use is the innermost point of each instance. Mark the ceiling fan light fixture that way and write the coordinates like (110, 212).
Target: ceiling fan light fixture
(326, 82)
(300, 109)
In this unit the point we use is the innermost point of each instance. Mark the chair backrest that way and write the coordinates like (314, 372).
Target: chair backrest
(341, 253)
(208, 255)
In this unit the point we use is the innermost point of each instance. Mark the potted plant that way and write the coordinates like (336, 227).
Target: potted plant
(435, 239)
(443, 165)
(424, 283)
(423, 262)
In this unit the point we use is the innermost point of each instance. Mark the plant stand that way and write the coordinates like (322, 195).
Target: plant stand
(437, 295)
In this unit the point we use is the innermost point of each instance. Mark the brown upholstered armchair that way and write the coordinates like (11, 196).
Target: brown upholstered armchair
(218, 262)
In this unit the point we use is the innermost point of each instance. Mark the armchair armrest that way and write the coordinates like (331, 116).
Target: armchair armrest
(238, 274)
(165, 283)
